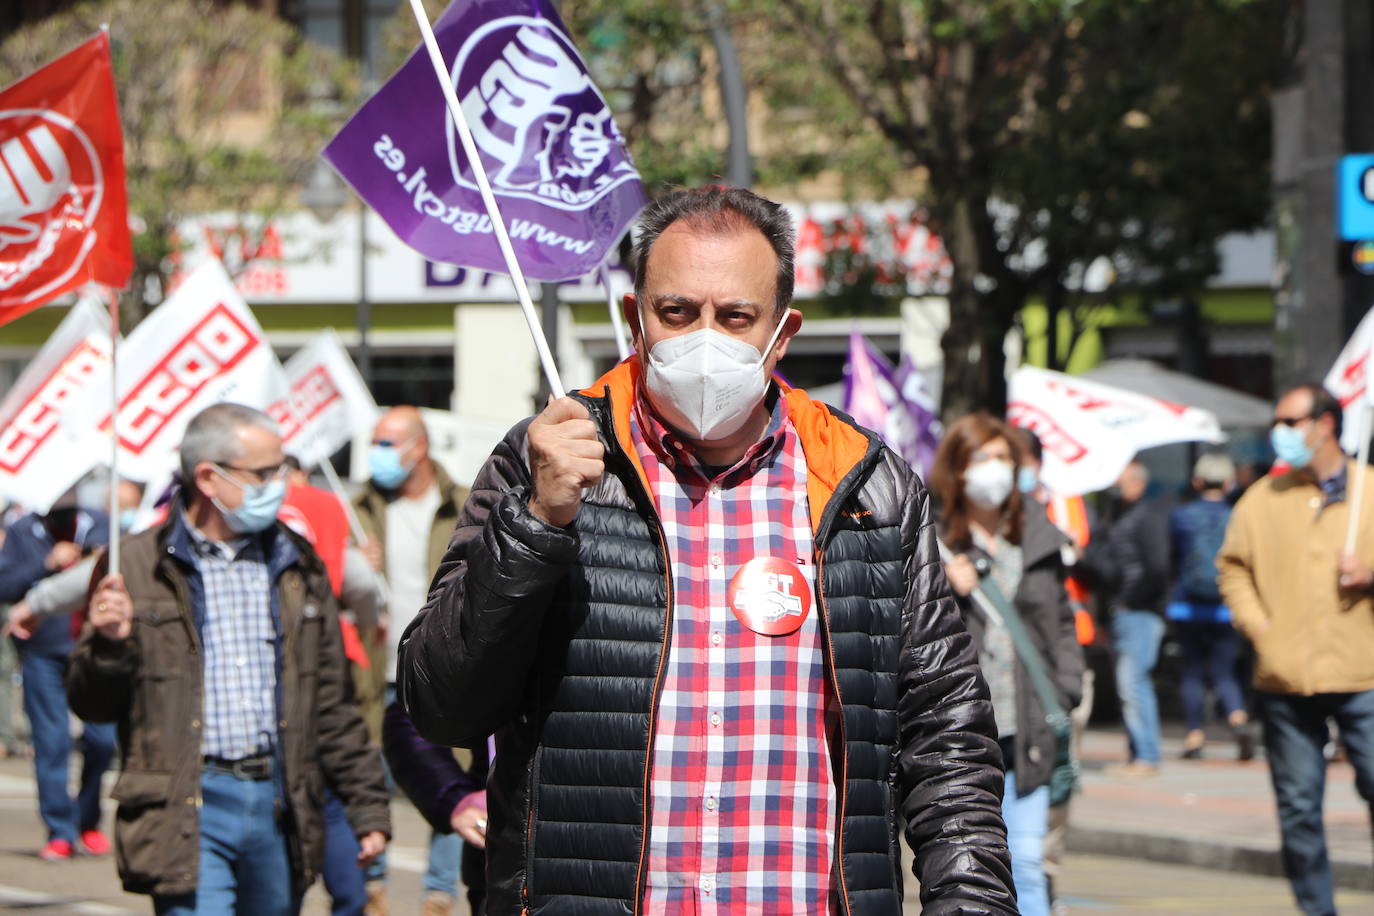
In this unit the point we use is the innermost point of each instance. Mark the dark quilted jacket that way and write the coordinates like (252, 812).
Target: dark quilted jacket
(553, 640)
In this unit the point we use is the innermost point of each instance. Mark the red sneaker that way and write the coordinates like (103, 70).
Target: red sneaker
(94, 843)
(56, 851)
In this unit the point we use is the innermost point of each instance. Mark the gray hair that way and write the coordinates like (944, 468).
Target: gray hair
(213, 435)
(719, 210)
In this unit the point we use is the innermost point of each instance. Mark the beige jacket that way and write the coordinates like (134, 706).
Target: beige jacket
(1278, 574)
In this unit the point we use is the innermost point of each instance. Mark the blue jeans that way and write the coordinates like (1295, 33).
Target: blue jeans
(343, 878)
(45, 703)
(1209, 653)
(445, 862)
(1027, 818)
(243, 860)
(1136, 636)
(1294, 734)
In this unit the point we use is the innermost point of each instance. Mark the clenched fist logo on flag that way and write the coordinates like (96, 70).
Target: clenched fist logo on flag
(63, 212)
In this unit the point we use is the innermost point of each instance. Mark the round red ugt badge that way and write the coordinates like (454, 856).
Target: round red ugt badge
(769, 595)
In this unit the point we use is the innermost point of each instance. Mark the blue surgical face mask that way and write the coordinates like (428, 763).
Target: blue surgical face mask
(1290, 445)
(126, 519)
(259, 508)
(384, 464)
(1026, 479)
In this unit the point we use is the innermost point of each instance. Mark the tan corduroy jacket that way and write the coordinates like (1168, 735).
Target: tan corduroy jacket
(1278, 567)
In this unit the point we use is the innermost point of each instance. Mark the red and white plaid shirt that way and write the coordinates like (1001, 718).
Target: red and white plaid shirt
(743, 791)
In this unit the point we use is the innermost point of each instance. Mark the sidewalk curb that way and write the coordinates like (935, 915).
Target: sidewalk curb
(1201, 853)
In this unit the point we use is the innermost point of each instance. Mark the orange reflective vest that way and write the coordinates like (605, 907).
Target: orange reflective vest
(1070, 515)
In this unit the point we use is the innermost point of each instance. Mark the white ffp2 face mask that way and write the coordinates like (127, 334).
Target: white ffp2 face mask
(706, 383)
(988, 483)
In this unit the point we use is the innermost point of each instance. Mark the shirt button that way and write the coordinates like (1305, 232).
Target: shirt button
(715, 719)
(715, 639)
(240, 661)
(710, 803)
(708, 884)
(715, 489)
(715, 559)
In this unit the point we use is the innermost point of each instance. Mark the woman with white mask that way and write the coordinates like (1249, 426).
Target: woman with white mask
(1002, 543)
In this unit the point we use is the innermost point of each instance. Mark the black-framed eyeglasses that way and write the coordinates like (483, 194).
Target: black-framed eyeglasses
(262, 475)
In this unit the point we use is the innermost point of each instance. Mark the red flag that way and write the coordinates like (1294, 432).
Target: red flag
(64, 217)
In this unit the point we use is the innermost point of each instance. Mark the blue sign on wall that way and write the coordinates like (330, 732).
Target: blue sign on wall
(1355, 197)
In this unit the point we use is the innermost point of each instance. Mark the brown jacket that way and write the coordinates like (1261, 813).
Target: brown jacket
(152, 685)
(1278, 574)
(372, 500)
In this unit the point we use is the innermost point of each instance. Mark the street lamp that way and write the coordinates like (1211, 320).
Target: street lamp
(324, 195)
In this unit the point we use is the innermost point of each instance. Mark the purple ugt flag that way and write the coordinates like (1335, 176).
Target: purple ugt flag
(556, 161)
(894, 403)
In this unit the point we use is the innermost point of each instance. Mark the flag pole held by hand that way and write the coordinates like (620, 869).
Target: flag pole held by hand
(114, 432)
(498, 225)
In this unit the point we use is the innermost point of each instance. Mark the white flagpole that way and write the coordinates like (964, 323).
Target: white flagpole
(1357, 485)
(335, 484)
(617, 319)
(114, 432)
(498, 225)
(354, 525)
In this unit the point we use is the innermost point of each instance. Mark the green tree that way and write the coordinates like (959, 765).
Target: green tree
(1052, 133)
(224, 108)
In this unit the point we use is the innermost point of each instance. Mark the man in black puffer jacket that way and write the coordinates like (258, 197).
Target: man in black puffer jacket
(705, 619)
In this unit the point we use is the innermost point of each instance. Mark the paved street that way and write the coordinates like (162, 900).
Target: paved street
(1093, 884)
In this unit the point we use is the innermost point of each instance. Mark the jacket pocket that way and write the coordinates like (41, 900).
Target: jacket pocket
(140, 788)
(146, 834)
(311, 635)
(163, 644)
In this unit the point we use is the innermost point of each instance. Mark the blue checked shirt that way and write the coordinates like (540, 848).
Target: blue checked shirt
(239, 641)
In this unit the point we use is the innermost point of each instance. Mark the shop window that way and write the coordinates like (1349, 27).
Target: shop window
(422, 379)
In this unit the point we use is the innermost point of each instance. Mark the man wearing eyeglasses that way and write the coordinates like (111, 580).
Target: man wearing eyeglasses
(217, 651)
(1306, 606)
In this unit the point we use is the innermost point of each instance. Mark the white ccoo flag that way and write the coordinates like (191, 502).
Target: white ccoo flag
(48, 436)
(201, 346)
(329, 404)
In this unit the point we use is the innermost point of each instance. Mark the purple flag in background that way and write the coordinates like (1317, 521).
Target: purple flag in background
(923, 412)
(559, 168)
(895, 403)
